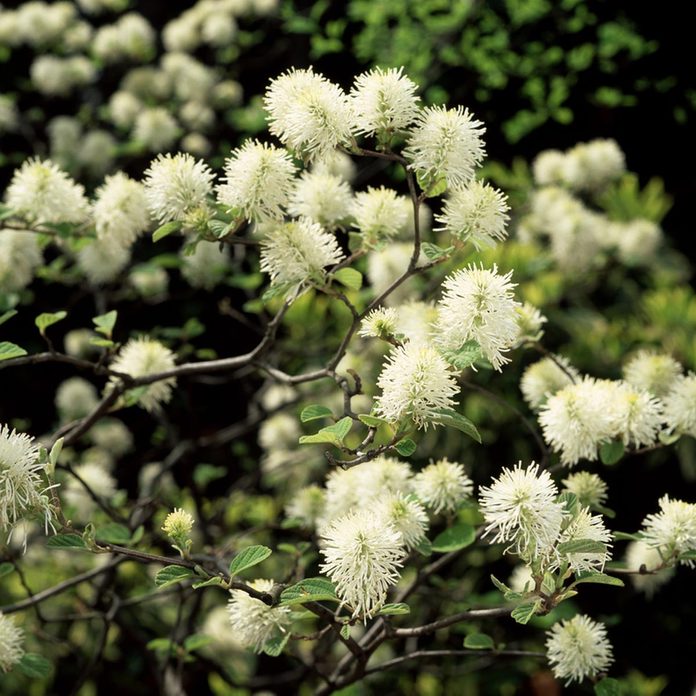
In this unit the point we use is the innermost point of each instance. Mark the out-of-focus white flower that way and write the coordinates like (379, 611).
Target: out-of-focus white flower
(653, 372)
(196, 144)
(379, 323)
(175, 185)
(384, 101)
(9, 116)
(124, 108)
(362, 553)
(258, 181)
(585, 525)
(196, 115)
(639, 555)
(544, 378)
(442, 486)
(446, 143)
(476, 213)
(672, 530)
(41, 192)
(589, 488)
(218, 29)
(578, 649)
(103, 260)
(378, 214)
(100, 482)
(20, 256)
(306, 505)
(77, 343)
(384, 266)
(407, 516)
(75, 398)
(529, 324)
(636, 241)
(112, 435)
(131, 37)
(478, 305)
(416, 321)
(680, 405)
(148, 280)
(521, 579)
(592, 165)
(335, 163)
(11, 643)
(206, 266)
(55, 76)
(548, 167)
(255, 622)
(120, 209)
(156, 128)
(415, 381)
(297, 252)
(308, 113)
(520, 508)
(142, 357)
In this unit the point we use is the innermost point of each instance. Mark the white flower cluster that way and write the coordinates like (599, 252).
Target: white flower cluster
(20, 256)
(11, 643)
(672, 531)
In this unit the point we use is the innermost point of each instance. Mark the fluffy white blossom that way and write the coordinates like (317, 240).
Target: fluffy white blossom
(255, 622)
(638, 415)
(544, 378)
(589, 488)
(672, 530)
(156, 128)
(415, 381)
(131, 37)
(416, 321)
(100, 481)
(379, 323)
(680, 405)
(307, 112)
(22, 485)
(297, 252)
(521, 579)
(520, 508)
(652, 372)
(11, 643)
(75, 398)
(120, 209)
(547, 167)
(384, 101)
(478, 305)
(636, 241)
(124, 108)
(530, 322)
(41, 192)
(442, 486)
(322, 197)
(306, 505)
(178, 524)
(103, 260)
(585, 525)
(335, 163)
(363, 553)
(142, 357)
(639, 555)
(20, 256)
(407, 516)
(378, 214)
(54, 76)
(149, 281)
(578, 648)
(206, 266)
(590, 166)
(112, 435)
(175, 185)
(476, 213)
(258, 181)
(446, 143)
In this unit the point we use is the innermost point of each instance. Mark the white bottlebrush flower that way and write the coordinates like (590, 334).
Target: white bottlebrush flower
(41, 192)
(124, 108)
(520, 508)
(521, 579)
(379, 323)
(416, 321)
(680, 405)
(258, 181)
(155, 128)
(578, 648)
(407, 516)
(638, 415)
(639, 555)
(578, 418)
(178, 524)
(637, 242)
(120, 209)
(255, 622)
(478, 305)
(11, 643)
(22, 485)
(308, 113)
(530, 322)
(384, 101)
(548, 167)
(100, 481)
(653, 372)
(206, 266)
(476, 213)
(544, 378)
(75, 398)
(175, 185)
(306, 505)
(279, 432)
(585, 525)
(322, 197)
(362, 553)
(297, 252)
(378, 214)
(113, 436)
(142, 357)
(446, 143)
(672, 530)
(415, 381)
(442, 486)
(589, 488)
(590, 166)
(335, 163)
(20, 256)
(103, 260)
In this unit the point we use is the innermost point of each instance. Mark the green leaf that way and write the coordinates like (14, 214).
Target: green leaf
(500, 585)
(166, 229)
(479, 641)
(626, 536)
(315, 412)
(105, 323)
(7, 315)
(163, 645)
(425, 547)
(599, 579)
(113, 533)
(333, 434)
(275, 645)
(171, 574)
(196, 641)
(405, 447)
(465, 356)
(10, 350)
(608, 687)
(249, 557)
(570, 500)
(452, 419)
(43, 321)
(5, 569)
(55, 452)
(345, 632)
(434, 252)
(66, 541)
(101, 342)
(34, 666)
(309, 590)
(611, 452)
(582, 546)
(372, 421)
(207, 583)
(132, 396)
(524, 612)
(349, 277)
(394, 609)
(457, 537)
(687, 556)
